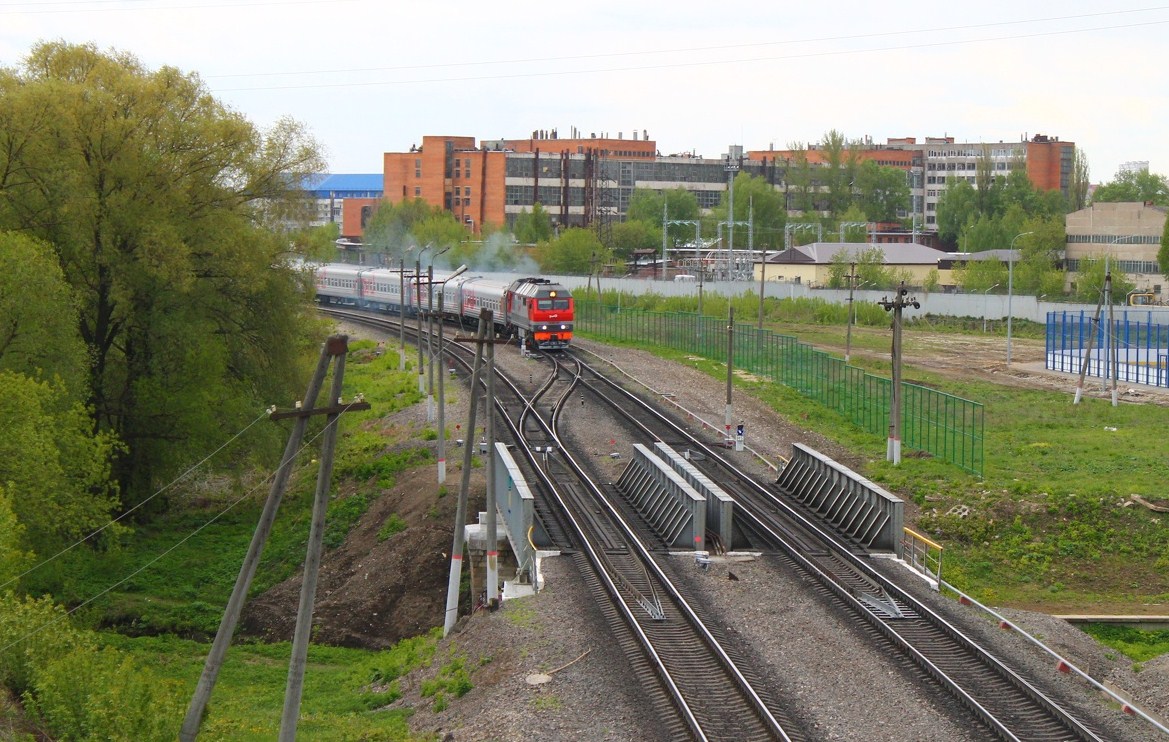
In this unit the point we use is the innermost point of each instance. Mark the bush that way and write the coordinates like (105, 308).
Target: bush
(103, 695)
(32, 633)
(393, 525)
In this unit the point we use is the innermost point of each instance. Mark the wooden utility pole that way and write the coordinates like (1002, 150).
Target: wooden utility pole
(848, 333)
(456, 573)
(893, 447)
(334, 348)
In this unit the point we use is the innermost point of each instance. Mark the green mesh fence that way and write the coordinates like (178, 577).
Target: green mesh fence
(948, 427)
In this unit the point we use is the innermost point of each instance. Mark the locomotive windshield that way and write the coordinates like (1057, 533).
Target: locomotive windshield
(546, 304)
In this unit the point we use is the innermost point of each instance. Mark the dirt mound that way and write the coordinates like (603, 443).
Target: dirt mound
(373, 590)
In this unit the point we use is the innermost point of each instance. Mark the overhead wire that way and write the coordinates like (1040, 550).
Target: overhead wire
(174, 482)
(182, 541)
(690, 50)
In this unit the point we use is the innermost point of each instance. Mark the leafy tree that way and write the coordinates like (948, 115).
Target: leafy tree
(645, 205)
(55, 471)
(982, 275)
(1037, 270)
(634, 235)
(1140, 185)
(1089, 281)
(570, 253)
(392, 231)
(853, 216)
(957, 210)
(533, 226)
(38, 319)
(988, 187)
(1163, 251)
(1080, 181)
(842, 161)
(986, 234)
(163, 208)
(882, 191)
(318, 243)
(754, 196)
(801, 180)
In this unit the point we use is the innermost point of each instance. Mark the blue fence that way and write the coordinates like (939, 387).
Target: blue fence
(1133, 346)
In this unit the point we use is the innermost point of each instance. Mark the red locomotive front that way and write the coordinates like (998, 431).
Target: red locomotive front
(541, 313)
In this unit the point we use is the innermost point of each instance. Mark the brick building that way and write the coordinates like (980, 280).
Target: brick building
(588, 180)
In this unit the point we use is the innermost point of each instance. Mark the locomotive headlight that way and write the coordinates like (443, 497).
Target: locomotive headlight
(543, 327)
(564, 327)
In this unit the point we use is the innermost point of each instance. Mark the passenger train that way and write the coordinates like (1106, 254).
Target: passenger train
(537, 311)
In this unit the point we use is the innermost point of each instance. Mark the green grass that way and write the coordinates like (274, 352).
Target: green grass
(345, 690)
(182, 586)
(1136, 644)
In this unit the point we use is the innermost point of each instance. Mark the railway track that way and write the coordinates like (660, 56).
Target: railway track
(998, 698)
(662, 632)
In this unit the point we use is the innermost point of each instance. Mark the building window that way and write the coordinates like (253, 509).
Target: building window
(466, 202)
(417, 192)
(417, 162)
(467, 191)
(417, 173)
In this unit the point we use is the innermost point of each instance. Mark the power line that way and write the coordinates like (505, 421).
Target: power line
(682, 65)
(694, 49)
(173, 547)
(142, 5)
(174, 482)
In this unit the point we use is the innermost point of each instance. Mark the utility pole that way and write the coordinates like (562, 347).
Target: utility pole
(730, 367)
(456, 576)
(334, 348)
(401, 314)
(486, 320)
(893, 447)
(848, 333)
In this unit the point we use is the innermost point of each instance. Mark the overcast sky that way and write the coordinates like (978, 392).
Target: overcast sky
(370, 76)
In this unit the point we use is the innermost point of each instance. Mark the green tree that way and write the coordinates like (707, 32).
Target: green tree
(854, 216)
(164, 209)
(393, 230)
(957, 210)
(317, 243)
(645, 205)
(1139, 185)
(56, 472)
(634, 235)
(1089, 281)
(801, 180)
(988, 185)
(533, 226)
(570, 253)
(841, 159)
(882, 191)
(1163, 251)
(982, 275)
(38, 318)
(1037, 270)
(1080, 181)
(754, 196)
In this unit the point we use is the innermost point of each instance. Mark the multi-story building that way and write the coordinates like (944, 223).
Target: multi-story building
(332, 192)
(936, 161)
(588, 180)
(1127, 233)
